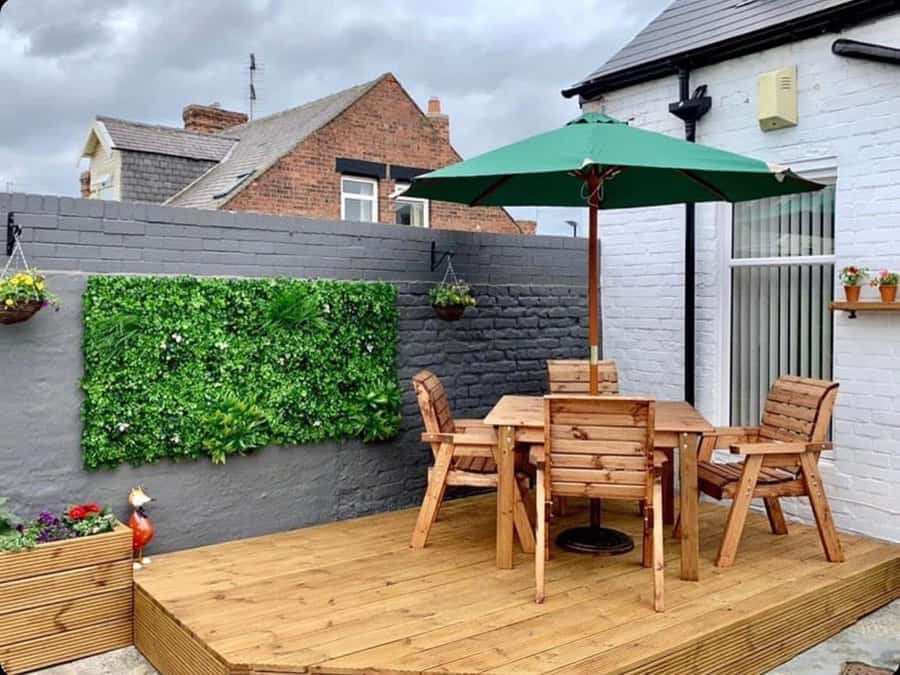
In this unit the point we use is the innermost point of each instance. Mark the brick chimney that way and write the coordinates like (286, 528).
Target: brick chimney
(85, 179)
(439, 120)
(207, 119)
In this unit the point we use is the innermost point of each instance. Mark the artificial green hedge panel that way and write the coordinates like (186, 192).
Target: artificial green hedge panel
(188, 367)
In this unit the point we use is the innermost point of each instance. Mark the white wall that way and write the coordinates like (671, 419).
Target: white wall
(850, 122)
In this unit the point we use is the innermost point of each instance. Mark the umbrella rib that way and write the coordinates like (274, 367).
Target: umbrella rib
(490, 190)
(705, 184)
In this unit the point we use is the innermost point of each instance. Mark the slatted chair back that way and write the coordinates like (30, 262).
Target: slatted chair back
(599, 447)
(798, 409)
(573, 377)
(433, 403)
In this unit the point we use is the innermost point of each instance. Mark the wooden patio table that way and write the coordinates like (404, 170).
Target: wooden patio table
(520, 420)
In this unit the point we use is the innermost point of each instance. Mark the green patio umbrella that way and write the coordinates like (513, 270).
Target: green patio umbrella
(604, 163)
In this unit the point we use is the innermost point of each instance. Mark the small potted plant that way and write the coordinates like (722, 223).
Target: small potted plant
(450, 300)
(852, 277)
(887, 285)
(22, 295)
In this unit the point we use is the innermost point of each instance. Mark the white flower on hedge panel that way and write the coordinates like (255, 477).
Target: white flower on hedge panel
(222, 345)
(176, 439)
(162, 345)
(177, 338)
(122, 427)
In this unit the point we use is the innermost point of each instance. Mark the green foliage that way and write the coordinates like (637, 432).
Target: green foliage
(8, 519)
(453, 294)
(189, 367)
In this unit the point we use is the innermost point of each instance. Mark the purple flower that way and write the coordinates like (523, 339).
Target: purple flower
(46, 518)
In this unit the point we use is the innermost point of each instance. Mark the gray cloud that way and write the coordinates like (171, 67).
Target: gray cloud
(498, 66)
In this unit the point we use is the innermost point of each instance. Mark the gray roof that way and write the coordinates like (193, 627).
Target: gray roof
(698, 32)
(261, 143)
(160, 140)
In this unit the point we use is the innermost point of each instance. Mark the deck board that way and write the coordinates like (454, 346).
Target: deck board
(353, 598)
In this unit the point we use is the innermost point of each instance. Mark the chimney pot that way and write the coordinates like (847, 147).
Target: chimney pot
(434, 106)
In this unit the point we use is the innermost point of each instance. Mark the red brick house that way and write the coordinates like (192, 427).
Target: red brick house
(345, 156)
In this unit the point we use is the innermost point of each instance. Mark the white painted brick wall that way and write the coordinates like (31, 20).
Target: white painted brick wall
(850, 120)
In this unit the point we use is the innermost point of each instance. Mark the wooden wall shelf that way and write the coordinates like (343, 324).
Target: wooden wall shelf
(864, 306)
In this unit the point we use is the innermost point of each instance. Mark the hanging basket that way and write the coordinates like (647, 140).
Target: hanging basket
(449, 312)
(21, 312)
(22, 287)
(451, 297)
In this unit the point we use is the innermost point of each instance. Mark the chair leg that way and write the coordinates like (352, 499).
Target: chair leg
(776, 516)
(659, 562)
(819, 502)
(737, 516)
(434, 495)
(540, 548)
(647, 544)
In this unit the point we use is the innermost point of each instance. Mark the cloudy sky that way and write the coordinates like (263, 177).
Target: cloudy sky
(497, 66)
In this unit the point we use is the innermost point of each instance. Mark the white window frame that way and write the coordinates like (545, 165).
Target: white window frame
(823, 170)
(397, 195)
(352, 195)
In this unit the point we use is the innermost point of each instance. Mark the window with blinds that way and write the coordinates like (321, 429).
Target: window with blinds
(782, 272)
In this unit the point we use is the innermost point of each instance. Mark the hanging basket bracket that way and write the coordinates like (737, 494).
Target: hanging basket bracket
(438, 261)
(12, 233)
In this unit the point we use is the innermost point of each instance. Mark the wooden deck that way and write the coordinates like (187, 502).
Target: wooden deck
(353, 598)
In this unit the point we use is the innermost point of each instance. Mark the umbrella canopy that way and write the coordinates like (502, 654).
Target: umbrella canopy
(643, 168)
(601, 162)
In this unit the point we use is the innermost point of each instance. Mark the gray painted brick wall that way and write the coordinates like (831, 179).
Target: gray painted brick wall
(532, 307)
(148, 177)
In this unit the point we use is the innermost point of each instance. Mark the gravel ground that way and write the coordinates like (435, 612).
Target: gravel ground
(874, 640)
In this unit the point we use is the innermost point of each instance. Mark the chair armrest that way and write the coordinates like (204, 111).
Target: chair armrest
(537, 455)
(436, 438)
(728, 436)
(659, 458)
(797, 448)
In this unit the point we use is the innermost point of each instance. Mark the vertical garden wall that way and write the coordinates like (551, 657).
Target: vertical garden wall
(145, 274)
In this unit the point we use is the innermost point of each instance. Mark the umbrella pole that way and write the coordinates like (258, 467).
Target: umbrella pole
(593, 182)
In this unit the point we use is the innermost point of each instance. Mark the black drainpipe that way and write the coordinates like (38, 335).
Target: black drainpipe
(689, 108)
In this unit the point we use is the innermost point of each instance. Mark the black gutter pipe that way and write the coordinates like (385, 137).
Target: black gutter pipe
(867, 51)
(689, 108)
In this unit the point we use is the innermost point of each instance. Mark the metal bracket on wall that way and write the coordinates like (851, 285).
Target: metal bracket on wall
(12, 231)
(435, 261)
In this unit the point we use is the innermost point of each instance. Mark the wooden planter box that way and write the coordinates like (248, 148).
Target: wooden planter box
(65, 600)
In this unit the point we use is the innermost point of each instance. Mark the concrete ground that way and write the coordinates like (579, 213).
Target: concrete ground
(874, 640)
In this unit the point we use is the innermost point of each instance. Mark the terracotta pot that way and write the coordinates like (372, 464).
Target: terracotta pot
(20, 313)
(449, 312)
(852, 293)
(888, 293)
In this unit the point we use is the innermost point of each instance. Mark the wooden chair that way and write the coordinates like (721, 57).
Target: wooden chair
(600, 447)
(464, 454)
(782, 457)
(573, 377)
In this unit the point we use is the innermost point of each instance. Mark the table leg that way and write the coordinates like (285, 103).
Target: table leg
(668, 487)
(506, 479)
(690, 525)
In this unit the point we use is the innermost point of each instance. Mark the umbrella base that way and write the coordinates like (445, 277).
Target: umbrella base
(595, 540)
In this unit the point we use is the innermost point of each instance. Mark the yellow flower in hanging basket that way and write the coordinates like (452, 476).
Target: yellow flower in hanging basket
(10, 302)
(28, 281)
(40, 285)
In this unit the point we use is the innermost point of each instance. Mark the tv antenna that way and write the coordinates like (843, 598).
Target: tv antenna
(252, 84)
